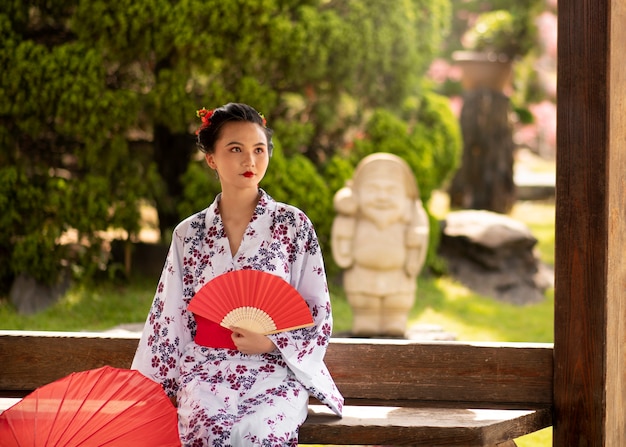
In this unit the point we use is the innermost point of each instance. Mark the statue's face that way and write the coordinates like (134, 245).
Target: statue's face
(383, 200)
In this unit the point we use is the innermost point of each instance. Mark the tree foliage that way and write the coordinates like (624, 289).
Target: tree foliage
(65, 161)
(98, 99)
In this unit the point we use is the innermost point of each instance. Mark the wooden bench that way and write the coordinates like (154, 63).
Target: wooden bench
(397, 392)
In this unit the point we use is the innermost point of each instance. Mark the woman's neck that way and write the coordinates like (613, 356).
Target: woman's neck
(238, 205)
(237, 211)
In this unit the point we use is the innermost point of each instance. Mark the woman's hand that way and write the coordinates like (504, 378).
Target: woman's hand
(250, 343)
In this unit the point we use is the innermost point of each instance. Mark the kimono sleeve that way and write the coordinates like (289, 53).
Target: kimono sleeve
(304, 349)
(167, 328)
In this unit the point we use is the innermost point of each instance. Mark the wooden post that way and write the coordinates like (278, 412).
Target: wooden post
(590, 270)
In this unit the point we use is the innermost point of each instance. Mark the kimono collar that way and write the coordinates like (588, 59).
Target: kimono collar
(264, 201)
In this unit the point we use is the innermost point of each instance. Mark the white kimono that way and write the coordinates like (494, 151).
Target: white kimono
(226, 398)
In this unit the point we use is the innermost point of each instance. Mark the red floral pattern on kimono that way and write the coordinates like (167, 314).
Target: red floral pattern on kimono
(226, 398)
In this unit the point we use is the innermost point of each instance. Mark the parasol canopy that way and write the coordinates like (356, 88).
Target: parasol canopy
(99, 407)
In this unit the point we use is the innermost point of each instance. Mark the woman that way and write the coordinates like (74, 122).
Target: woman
(242, 388)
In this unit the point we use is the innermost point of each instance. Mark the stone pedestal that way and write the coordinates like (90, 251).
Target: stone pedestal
(484, 180)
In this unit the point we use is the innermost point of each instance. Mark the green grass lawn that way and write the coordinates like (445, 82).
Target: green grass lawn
(440, 301)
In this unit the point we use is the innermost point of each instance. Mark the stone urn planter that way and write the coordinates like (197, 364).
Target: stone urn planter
(483, 70)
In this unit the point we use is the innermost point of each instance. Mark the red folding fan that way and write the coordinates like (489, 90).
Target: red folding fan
(99, 407)
(253, 300)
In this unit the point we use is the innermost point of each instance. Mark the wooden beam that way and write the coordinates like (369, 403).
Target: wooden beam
(590, 270)
(426, 427)
(511, 375)
(489, 375)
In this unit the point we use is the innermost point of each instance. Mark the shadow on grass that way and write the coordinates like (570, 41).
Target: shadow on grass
(87, 308)
(471, 317)
(474, 317)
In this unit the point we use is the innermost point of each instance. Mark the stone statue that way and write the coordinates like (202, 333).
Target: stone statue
(380, 239)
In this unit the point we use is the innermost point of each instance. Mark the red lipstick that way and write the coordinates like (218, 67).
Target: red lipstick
(248, 174)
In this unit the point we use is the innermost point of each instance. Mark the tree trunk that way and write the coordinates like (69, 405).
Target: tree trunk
(172, 154)
(485, 177)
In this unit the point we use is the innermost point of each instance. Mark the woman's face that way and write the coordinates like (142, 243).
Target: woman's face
(241, 155)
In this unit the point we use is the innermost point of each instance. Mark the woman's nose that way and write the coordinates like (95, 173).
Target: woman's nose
(248, 159)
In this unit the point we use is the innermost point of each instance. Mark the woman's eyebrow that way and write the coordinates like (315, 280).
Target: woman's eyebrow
(241, 144)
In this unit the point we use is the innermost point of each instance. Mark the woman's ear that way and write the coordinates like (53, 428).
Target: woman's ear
(210, 161)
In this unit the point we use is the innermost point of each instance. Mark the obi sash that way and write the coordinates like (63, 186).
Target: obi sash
(212, 335)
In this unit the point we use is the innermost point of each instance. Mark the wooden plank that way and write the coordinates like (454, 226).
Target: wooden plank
(590, 271)
(420, 427)
(509, 374)
(517, 375)
(32, 359)
(413, 426)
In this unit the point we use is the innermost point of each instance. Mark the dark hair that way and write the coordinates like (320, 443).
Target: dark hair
(209, 134)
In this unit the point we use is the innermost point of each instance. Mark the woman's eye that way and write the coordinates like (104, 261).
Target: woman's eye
(235, 149)
(259, 150)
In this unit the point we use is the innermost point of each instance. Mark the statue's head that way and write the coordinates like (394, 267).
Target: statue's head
(384, 187)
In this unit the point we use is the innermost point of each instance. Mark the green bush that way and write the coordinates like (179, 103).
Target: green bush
(200, 186)
(338, 170)
(40, 209)
(298, 183)
(425, 134)
(494, 32)
(30, 225)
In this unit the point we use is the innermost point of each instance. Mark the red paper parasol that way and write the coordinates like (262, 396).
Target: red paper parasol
(100, 407)
(253, 300)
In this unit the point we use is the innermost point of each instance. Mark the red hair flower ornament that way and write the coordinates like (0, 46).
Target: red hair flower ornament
(205, 115)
